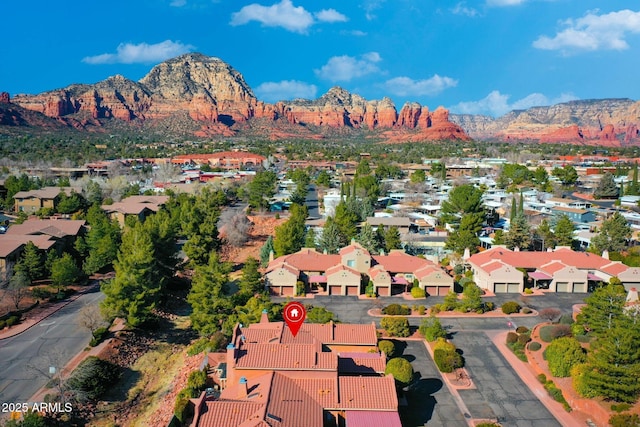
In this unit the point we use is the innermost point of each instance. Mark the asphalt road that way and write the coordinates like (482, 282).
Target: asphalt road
(55, 340)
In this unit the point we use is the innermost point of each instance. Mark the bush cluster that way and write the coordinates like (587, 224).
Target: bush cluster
(93, 377)
(432, 329)
(510, 307)
(535, 346)
(446, 356)
(196, 383)
(98, 336)
(418, 292)
(562, 355)
(517, 342)
(396, 326)
(396, 310)
(557, 395)
(624, 420)
(9, 322)
(401, 370)
(387, 347)
(217, 341)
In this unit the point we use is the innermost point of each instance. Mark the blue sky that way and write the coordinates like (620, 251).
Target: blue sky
(482, 57)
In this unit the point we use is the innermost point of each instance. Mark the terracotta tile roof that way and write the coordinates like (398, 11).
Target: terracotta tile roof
(152, 200)
(374, 271)
(44, 193)
(291, 405)
(351, 333)
(262, 335)
(218, 413)
(428, 270)
(493, 266)
(129, 208)
(352, 248)
(552, 267)
(400, 262)
(323, 390)
(372, 419)
(534, 260)
(307, 260)
(614, 268)
(361, 363)
(309, 333)
(340, 267)
(285, 357)
(284, 266)
(52, 227)
(368, 393)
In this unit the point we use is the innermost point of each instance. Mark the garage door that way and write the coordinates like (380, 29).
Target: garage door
(579, 287)
(513, 288)
(443, 290)
(432, 290)
(562, 287)
(500, 288)
(353, 290)
(335, 290)
(383, 292)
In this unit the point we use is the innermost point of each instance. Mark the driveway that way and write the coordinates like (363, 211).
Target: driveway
(429, 400)
(500, 393)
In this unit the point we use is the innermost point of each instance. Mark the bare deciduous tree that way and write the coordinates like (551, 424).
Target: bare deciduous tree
(550, 314)
(18, 288)
(90, 317)
(235, 226)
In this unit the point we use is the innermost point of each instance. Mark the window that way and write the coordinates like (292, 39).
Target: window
(351, 263)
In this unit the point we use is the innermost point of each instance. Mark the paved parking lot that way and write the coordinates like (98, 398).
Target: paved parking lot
(499, 393)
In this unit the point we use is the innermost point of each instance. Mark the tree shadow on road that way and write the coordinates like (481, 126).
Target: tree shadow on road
(420, 401)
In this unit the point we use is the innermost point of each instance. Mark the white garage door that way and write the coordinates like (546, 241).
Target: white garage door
(562, 287)
(513, 288)
(500, 288)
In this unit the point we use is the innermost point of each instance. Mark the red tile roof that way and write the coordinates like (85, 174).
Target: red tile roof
(552, 267)
(372, 419)
(307, 260)
(614, 268)
(400, 262)
(285, 357)
(361, 363)
(292, 403)
(219, 413)
(374, 271)
(493, 266)
(368, 393)
(9, 243)
(340, 267)
(352, 248)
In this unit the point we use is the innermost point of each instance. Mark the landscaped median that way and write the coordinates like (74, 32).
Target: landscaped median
(449, 309)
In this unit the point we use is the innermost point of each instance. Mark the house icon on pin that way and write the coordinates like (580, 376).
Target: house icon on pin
(295, 312)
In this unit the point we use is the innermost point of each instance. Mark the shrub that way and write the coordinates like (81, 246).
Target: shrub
(447, 360)
(545, 333)
(93, 377)
(559, 331)
(387, 347)
(512, 337)
(98, 336)
(197, 381)
(216, 342)
(417, 292)
(13, 320)
(436, 308)
(557, 395)
(620, 407)
(526, 310)
(432, 329)
(370, 290)
(524, 339)
(301, 289)
(401, 370)
(534, 346)
(510, 307)
(624, 420)
(578, 373)
(542, 378)
(421, 310)
(549, 314)
(396, 326)
(562, 355)
(566, 319)
(528, 291)
(489, 306)
(450, 302)
(41, 293)
(183, 409)
(2, 324)
(396, 310)
(522, 329)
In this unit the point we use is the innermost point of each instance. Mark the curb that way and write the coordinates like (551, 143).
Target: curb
(23, 327)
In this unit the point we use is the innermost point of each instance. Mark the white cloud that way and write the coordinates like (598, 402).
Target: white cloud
(462, 9)
(593, 32)
(345, 68)
(355, 33)
(330, 15)
(128, 53)
(285, 90)
(500, 3)
(370, 6)
(497, 104)
(285, 15)
(405, 86)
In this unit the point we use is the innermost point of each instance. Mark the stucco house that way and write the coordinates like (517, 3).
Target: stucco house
(501, 270)
(349, 272)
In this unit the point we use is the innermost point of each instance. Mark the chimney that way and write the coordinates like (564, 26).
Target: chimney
(231, 362)
(549, 250)
(605, 254)
(516, 249)
(264, 318)
(242, 390)
(271, 255)
(632, 296)
(467, 254)
(382, 252)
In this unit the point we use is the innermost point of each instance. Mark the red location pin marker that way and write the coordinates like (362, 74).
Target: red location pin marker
(294, 315)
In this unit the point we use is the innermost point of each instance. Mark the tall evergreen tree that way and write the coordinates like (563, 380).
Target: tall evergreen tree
(607, 188)
(368, 239)
(563, 231)
(289, 237)
(514, 210)
(613, 235)
(519, 234)
(603, 308)
(30, 263)
(392, 239)
(332, 239)
(266, 250)
(465, 236)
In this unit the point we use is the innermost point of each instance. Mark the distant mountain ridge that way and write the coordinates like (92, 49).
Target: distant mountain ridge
(596, 121)
(204, 96)
(216, 97)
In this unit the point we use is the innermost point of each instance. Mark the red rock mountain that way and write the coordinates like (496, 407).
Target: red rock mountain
(607, 122)
(216, 97)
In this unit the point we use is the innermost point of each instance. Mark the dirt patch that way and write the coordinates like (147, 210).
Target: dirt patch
(263, 227)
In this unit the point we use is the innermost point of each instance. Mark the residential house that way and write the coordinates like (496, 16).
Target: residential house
(33, 200)
(11, 247)
(349, 271)
(501, 270)
(135, 206)
(577, 215)
(328, 375)
(401, 223)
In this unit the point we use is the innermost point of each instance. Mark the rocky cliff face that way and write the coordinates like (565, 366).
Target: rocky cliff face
(215, 95)
(607, 122)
